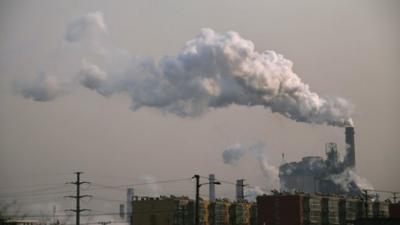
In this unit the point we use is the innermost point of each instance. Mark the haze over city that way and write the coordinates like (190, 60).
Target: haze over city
(138, 92)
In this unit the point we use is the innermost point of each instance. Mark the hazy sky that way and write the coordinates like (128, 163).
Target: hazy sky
(347, 49)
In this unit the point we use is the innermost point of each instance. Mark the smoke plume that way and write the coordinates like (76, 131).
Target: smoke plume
(90, 27)
(212, 70)
(234, 153)
(251, 193)
(42, 88)
(348, 177)
(269, 171)
(151, 188)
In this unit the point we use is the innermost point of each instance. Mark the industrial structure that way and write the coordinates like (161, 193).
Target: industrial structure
(219, 212)
(129, 198)
(302, 209)
(313, 174)
(275, 209)
(180, 211)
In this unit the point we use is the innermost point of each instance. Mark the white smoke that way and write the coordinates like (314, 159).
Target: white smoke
(151, 188)
(92, 77)
(89, 27)
(349, 177)
(212, 71)
(269, 171)
(251, 193)
(43, 88)
(234, 153)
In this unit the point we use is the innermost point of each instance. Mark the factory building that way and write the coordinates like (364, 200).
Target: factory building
(241, 213)
(219, 212)
(181, 211)
(302, 209)
(313, 174)
(161, 211)
(394, 210)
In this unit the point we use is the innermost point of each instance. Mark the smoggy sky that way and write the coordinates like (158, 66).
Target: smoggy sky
(341, 49)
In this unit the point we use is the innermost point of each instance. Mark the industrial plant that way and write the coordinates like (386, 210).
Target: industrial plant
(314, 175)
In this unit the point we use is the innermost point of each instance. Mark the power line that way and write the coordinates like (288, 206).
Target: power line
(107, 199)
(35, 195)
(78, 197)
(34, 191)
(101, 186)
(29, 186)
(92, 214)
(228, 182)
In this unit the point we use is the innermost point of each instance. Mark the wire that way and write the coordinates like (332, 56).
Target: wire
(34, 191)
(34, 195)
(90, 215)
(101, 186)
(229, 182)
(29, 186)
(107, 199)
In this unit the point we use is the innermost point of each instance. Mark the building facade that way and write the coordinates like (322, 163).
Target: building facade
(301, 209)
(160, 211)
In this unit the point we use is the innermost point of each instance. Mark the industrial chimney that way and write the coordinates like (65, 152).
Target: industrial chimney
(211, 180)
(239, 190)
(350, 158)
(129, 199)
(122, 211)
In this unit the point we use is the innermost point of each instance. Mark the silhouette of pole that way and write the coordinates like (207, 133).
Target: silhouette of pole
(198, 185)
(366, 203)
(196, 213)
(78, 196)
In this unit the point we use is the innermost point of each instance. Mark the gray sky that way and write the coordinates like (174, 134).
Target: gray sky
(348, 49)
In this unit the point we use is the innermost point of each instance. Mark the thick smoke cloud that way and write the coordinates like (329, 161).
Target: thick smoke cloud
(232, 154)
(42, 88)
(349, 176)
(90, 26)
(92, 77)
(212, 71)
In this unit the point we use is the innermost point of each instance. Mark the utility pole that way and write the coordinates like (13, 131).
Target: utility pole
(366, 203)
(198, 185)
(78, 197)
(54, 214)
(196, 213)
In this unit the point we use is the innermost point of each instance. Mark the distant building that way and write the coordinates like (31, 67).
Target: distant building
(160, 211)
(22, 222)
(314, 175)
(181, 211)
(377, 221)
(253, 214)
(394, 210)
(241, 213)
(301, 209)
(219, 212)
(204, 213)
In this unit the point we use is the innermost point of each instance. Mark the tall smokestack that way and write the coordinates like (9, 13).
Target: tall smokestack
(211, 180)
(129, 199)
(122, 211)
(239, 189)
(350, 158)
